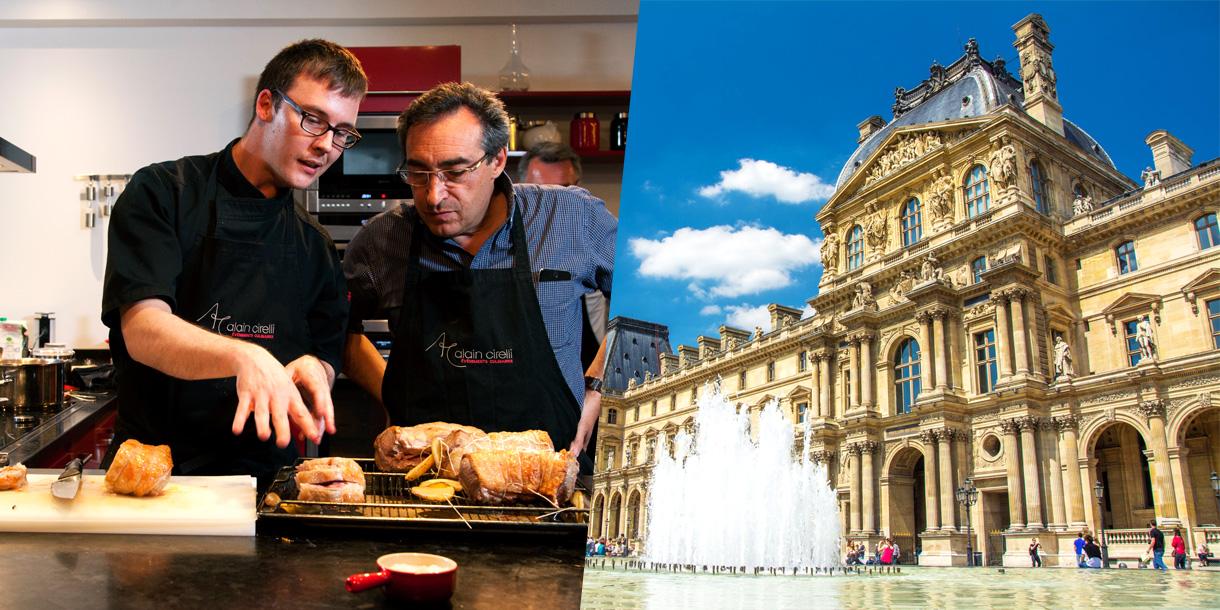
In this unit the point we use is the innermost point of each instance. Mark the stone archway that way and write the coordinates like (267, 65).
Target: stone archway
(1122, 468)
(633, 516)
(907, 500)
(597, 524)
(1198, 449)
(616, 509)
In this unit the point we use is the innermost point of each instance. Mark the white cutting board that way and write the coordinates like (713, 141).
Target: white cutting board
(198, 506)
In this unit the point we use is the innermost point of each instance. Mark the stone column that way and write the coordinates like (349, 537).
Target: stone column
(824, 363)
(854, 491)
(930, 474)
(944, 459)
(1070, 458)
(1163, 493)
(1031, 336)
(1012, 462)
(854, 366)
(1003, 336)
(940, 340)
(1019, 332)
(815, 386)
(867, 399)
(925, 351)
(1053, 460)
(868, 483)
(953, 344)
(1033, 480)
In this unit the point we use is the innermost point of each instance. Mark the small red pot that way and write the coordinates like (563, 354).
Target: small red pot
(410, 577)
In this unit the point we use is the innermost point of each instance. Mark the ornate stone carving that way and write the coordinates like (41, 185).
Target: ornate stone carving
(980, 310)
(1003, 164)
(1205, 399)
(1066, 422)
(758, 333)
(1063, 359)
(1037, 73)
(1028, 423)
(930, 270)
(1081, 204)
(822, 457)
(1009, 426)
(1151, 408)
(1197, 381)
(1111, 397)
(906, 150)
(863, 298)
(929, 436)
(1143, 335)
(830, 253)
(867, 446)
(876, 229)
(941, 199)
(904, 284)
(1150, 177)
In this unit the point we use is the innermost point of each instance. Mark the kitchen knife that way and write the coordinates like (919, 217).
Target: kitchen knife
(69, 482)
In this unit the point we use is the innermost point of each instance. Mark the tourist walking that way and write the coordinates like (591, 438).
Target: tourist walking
(1035, 550)
(1203, 552)
(1092, 554)
(1156, 544)
(887, 552)
(1179, 550)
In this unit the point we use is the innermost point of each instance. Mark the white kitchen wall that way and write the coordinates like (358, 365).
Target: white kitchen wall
(94, 88)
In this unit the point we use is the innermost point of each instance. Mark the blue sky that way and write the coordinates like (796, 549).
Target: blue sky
(730, 96)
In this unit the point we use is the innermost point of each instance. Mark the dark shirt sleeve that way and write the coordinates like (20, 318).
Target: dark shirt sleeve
(145, 254)
(328, 317)
(601, 230)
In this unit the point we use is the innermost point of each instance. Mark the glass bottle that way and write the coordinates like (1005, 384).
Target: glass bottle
(618, 132)
(514, 76)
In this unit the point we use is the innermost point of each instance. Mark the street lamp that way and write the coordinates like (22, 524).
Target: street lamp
(967, 496)
(1100, 492)
(1216, 488)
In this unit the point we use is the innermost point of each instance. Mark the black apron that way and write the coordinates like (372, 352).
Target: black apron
(242, 278)
(470, 348)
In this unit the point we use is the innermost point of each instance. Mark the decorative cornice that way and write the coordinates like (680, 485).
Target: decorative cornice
(1009, 426)
(822, 457)
(1151, 408)
(1066, 422)
(1028, 423)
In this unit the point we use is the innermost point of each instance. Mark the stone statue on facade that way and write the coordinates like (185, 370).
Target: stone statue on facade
(930, 270)
(875, 228)
(1063, 359)
(1038, 74)
(758, 333)
(1143, 335)
(942, 198)
(864, 296)
(1151, 177)
(830, 253)
(1082, 204)
(1003, 162)
(904, 284)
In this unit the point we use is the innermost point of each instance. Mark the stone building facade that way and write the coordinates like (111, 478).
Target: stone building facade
(1000, 304)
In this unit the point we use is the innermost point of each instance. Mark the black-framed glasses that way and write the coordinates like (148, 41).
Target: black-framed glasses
(419, 178)
(313, 125)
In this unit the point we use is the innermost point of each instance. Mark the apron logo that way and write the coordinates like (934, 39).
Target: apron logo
(457, 357)
(238, 330)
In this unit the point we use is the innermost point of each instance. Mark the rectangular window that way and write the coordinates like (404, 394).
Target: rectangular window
(612, 416)
(1213, 317)
(1131, 334)
(741, 380)
(846, 390)
(673, 402)
(635, 413)
(985, 361)
(802, 362)
(1125, 253)
(771, 371)
(801, 408)
(977, 267)
(654, 408)
(1049, 264)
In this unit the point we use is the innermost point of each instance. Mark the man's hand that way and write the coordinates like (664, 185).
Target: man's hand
(313, 378)
(584, 429)
(266, 389)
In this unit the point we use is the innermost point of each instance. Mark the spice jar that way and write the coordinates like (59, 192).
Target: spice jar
(585, 132)
(618, 132)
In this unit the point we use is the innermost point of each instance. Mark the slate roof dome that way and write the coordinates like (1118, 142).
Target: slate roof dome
(969, 87)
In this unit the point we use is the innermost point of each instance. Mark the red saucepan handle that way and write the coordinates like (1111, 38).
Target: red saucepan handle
(360, 582)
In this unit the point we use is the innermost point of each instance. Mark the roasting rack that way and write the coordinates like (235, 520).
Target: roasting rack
(389, 504)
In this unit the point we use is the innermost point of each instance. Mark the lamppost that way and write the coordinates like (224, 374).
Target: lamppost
(967, 496)
(1216, 488)
(1100, 492)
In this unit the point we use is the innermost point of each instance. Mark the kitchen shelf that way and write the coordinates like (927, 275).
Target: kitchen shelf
(594, 156)
(535, 99)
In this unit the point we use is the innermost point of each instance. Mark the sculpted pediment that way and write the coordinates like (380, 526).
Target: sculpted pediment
(907, 146)
(1133, 302)
(798, 392)
(1208, 282)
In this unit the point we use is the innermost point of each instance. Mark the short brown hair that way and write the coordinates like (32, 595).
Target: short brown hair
(318, 59)
(445, 99)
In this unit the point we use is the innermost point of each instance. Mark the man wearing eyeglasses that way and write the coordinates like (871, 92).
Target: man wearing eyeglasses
(225, 301)
(480, 280)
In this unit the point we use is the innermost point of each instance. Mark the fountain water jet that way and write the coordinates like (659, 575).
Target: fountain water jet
(725, 500)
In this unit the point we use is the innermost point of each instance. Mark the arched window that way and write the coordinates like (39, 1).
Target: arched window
(978, 199)
(1125, 253)
(1207, 230)
(1037, 178)
(906, 376)
(612, 416)
(912, 222)
(977, 267)
(855, 248)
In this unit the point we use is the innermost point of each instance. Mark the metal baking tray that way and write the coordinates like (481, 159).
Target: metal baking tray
(389, 504)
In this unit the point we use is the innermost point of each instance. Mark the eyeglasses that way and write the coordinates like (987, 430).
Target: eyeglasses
(419, 178)
(313, 125)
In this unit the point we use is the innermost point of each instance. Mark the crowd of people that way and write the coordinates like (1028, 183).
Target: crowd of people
(600, 547)
(886, 553)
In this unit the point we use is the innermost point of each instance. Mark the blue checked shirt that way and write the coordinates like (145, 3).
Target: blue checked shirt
(568, 229)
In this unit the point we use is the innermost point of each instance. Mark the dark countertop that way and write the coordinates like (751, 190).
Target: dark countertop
(117, 571)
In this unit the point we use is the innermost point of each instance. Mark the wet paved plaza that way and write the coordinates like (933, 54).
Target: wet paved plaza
(967, 588)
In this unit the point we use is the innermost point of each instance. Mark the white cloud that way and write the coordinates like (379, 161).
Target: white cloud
(710, 310)
(808, 312)
(746, 317)
(724, 261)
(766, 179)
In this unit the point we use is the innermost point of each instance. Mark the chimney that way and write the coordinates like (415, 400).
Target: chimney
(869, 126)
(732, 338)
(782, 316)
(687, 355)
(1037, 72)
(708, 346)
(1169, 154)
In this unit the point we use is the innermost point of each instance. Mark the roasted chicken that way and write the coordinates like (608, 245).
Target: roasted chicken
(139, 469)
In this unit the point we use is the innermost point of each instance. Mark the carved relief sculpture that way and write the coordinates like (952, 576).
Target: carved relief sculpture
(1151, 177)
(864, 296)
(875, 229)
(931, 271)
(830, 253)
(907, 149)
(942, 199)
(1063, 359)
(1003, 162)
(903, 285)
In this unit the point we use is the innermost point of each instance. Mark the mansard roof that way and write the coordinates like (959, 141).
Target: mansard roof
(969, 87)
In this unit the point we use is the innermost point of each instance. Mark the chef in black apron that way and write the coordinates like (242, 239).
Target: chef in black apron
(220, 244)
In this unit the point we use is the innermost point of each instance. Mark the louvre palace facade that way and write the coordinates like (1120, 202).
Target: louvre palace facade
(999, 304)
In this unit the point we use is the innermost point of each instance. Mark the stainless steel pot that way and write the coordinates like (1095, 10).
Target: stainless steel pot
(32, 383)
